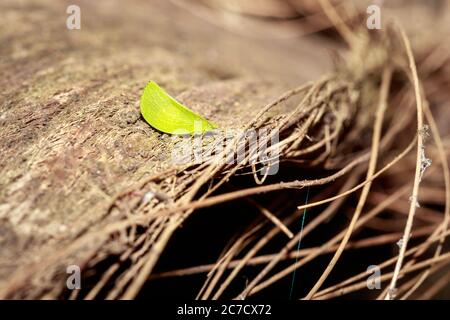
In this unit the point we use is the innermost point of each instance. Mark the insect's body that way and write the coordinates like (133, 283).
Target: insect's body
(166, 114)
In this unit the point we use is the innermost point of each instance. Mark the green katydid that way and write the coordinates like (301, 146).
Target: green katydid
(166, 114)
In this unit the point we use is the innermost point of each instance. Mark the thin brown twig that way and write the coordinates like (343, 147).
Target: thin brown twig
(417, 176)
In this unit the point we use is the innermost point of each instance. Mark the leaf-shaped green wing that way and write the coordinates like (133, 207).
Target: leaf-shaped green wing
(166, 114)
